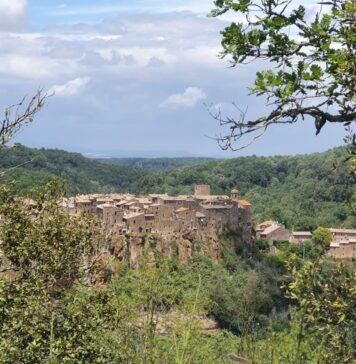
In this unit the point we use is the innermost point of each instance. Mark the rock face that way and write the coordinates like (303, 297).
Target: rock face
(131, 247)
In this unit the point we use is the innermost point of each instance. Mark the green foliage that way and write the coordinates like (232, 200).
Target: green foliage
(298, 252)
(312, 52)
(44, 254)
(326, 296)
(40, 241)
(83, 175)
(322, 237)
(157, 164)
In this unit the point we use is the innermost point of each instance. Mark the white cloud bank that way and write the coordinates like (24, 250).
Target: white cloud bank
(189, 98)
(12, 13)
(71, 88)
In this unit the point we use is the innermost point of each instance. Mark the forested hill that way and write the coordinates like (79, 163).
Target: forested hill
(302, 191)
(157, 164)
(82, 175)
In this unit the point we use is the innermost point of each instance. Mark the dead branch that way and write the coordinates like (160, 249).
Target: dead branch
(17, 116)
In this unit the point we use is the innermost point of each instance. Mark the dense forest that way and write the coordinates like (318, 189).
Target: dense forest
(303, 191)
(83, 175)
(157, 164)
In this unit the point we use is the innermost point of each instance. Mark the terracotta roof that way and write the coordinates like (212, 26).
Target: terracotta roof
(144, 200)
(270, 229)
(268, 222)
(105, 205)
(83, 200)
(104, 199)
(244, 203)
(133, 215)
(182, 209)
(123, 202)
(344, 242)
(343, 231)
(131, 203)
(173, 198)
(301, 233)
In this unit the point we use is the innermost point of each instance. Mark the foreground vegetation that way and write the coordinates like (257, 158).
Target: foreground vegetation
(58, 305)
(303, 191)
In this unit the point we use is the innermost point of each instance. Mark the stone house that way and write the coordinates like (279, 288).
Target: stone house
(272, 231)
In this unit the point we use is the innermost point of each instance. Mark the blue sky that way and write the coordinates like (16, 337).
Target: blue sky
(132, 77)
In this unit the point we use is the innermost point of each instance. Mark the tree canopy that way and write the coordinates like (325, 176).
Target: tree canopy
(313, 60)
(322, 237)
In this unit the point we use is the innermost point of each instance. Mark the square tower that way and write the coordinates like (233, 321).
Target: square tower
(202, 190)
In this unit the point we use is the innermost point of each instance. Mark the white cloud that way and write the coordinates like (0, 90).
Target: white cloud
(189, 98)
(12, 13)
(71, 88)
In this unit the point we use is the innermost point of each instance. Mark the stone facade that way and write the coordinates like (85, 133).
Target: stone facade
(272, 231)
(135, 220)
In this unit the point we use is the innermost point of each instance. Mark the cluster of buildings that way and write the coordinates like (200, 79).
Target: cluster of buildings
(343, 245)
(201, 216)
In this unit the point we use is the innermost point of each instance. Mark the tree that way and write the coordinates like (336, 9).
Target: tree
(325, 294)
(39, 240)
(322, 237)
(45, 255)
(17, 116)
(314, 74)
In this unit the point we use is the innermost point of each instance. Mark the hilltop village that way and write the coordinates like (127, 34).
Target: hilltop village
(189, 219)
(201, 217)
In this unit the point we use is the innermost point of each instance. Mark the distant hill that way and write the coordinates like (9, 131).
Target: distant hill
(83, 175)
(157, 164)
(301, 191)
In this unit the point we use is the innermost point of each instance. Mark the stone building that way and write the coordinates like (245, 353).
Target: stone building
(343, 245)
(184, 219)
(343, 249)
(272, 231)
(202, 190)
(300, 237)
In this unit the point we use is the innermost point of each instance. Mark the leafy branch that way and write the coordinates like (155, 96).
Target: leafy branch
(314, 63)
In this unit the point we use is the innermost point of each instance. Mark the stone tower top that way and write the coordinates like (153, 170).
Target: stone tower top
(235, 194)
(202, 190)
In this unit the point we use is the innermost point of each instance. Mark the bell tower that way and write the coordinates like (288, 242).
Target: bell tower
(234, 194)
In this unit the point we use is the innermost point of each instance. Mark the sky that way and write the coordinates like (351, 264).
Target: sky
(133, 78)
